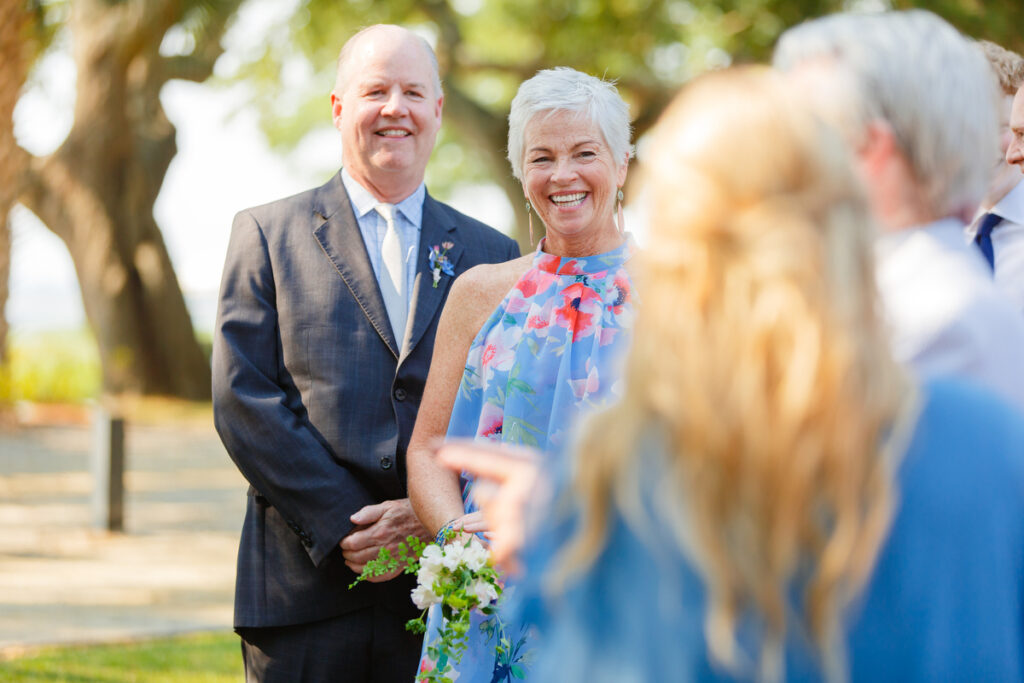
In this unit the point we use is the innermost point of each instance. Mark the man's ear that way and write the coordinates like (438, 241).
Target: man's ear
(878, 146)
(336, 110)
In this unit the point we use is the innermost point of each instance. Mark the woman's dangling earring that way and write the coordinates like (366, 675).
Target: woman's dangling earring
(622, 224)
(529, 212)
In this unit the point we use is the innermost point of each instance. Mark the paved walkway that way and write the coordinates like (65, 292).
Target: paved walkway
(171, 571)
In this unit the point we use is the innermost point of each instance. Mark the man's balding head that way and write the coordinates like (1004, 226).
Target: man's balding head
(390, 32)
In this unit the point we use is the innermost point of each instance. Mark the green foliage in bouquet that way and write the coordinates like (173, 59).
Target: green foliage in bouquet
(457, 576)
(408, 557)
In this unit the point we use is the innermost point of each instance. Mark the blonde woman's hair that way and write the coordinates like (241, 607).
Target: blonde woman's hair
(760, 361)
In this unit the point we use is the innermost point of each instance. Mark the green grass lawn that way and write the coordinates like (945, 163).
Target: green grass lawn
(200, 658)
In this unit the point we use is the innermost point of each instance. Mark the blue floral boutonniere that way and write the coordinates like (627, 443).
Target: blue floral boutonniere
(439, 262)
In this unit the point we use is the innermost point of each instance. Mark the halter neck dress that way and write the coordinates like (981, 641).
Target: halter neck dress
(549, 353)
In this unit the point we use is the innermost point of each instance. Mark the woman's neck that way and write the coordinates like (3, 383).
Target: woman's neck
(584, 244)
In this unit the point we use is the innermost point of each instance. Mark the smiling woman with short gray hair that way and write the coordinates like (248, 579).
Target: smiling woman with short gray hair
(533, 343)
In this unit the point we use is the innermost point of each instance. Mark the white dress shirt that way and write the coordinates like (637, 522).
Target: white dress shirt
(1008, 245)
(945, 314)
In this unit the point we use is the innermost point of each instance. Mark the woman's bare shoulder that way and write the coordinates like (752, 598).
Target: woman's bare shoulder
(477, 292)
(495, 276)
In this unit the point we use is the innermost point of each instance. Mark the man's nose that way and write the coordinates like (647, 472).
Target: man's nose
(1015, 152)
(395, 103)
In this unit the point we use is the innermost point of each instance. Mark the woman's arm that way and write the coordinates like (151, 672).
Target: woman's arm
(434, 489)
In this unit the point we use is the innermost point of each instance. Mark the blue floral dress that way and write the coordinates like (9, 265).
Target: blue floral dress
(549, 353)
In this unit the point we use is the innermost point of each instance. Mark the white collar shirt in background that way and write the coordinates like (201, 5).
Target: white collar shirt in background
(945, 314)
(1008, 245)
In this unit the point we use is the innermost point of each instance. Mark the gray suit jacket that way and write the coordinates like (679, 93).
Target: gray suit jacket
(311, 397)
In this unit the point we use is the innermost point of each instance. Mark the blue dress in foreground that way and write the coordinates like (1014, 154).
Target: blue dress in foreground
(945, 601)
(550, 353)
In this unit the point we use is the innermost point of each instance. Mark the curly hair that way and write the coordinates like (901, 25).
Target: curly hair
(1007, 65)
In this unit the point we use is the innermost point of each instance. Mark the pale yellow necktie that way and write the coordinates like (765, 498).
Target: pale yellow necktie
(393, 276)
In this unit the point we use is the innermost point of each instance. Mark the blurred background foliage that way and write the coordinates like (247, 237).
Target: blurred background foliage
(485, 49)
(58, 367)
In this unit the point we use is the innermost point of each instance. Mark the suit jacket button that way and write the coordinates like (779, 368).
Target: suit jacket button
(307, 541)
(400, 394)
(385, 463)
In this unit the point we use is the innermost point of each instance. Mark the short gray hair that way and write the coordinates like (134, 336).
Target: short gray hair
(341, 73)
(913, 70)
(565, 89)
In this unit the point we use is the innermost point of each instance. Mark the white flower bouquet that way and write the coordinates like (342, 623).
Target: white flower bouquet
(458, 577)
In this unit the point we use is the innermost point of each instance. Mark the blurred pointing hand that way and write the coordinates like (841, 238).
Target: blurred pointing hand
(505, 478)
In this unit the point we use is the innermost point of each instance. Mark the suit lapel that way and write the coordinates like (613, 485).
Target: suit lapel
(338, 234)
(437, 227)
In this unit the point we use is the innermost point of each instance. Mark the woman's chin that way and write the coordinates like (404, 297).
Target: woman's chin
(572, 227)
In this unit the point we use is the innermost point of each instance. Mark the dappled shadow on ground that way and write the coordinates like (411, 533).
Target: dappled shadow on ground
(173, 568)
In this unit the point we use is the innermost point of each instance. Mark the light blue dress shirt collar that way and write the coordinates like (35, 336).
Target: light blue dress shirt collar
(363, 202)
(408, 222)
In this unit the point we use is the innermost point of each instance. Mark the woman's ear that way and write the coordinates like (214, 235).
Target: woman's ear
(620, 178)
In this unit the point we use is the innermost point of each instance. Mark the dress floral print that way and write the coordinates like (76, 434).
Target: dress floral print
(549, 353)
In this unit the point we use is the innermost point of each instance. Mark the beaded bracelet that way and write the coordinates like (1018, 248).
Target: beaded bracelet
(443, 531)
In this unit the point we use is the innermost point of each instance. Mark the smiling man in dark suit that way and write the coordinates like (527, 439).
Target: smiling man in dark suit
(328, 308)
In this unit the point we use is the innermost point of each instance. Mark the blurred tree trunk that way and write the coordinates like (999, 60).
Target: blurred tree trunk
(97, 191)
(16, 21)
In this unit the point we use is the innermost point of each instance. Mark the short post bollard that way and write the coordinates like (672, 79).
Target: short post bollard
(108, 471)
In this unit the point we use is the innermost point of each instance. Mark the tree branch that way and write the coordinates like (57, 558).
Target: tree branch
(448, 26)
(650, 111)
(198, 66)
(187, 68)
(520, 70)
(488, 134)
(19, 164)
(145, 22)
(39, 197)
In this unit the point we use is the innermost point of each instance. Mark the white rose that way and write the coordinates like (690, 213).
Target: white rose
(423, 597)
(426, 576)
(431, 557)
(475, 556)
(453, 555)
(484, 592)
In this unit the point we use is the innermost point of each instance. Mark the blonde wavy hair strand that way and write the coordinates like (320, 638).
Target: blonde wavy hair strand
(761, 358)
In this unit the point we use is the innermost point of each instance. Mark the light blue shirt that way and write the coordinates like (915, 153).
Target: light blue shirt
(943, 602)
(408, 221)
(945, 314)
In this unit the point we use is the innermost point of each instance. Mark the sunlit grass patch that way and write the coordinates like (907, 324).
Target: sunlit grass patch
(200, 658)
(51, 366)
